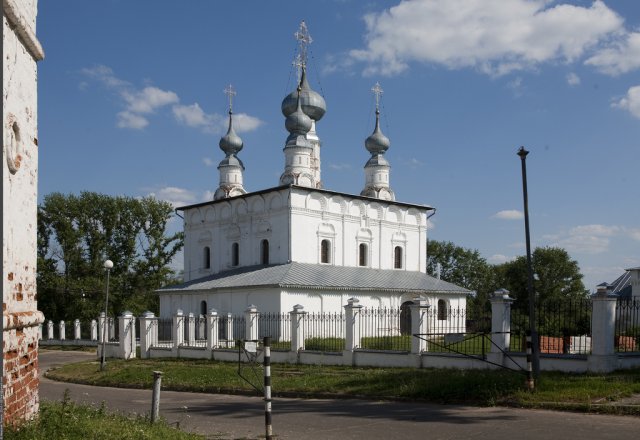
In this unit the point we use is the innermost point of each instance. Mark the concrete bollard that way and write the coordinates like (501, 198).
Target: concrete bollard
(155, 399)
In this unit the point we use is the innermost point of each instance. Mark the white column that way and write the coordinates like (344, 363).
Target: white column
(419, 325)
(178, 329)
(148, 333)
(127, 330)
(94, 330)
(212, 331)
(111, 329)
(603, 357)
(352, 322)
(39, 332)
(229, 330)
(76, 330)
(191, 330)
(101, 326)
(297, 328)
(50, 329)
(251, 318)
(61, 326)
(500, 320)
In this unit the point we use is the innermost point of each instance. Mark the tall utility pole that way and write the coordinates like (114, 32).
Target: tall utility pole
(532, 299)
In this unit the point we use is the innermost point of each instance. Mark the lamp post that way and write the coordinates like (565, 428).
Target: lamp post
(535, 348)
(108, 265)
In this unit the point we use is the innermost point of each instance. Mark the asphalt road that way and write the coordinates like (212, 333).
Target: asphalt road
(239, 417)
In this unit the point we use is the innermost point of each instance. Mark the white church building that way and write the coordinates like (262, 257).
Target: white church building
(299, 243)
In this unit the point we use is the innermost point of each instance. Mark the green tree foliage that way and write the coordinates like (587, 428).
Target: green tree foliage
(76, 234)
(557, 277)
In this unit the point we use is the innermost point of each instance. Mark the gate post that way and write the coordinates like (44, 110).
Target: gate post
(61, 326)
(148, 333)
(94, 330)
(76, 330)
(251, 318)
(127, 337)
(212, 331)
(102, 322)
(500, 325)
(178, 329)
(50, 329)
(297, 328)
(603, 319)
(352, 331)
(191, 330)
(419, 325)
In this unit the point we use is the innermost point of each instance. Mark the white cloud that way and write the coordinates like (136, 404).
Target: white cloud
(193, 116)
(634, 233)
(508, 214)
(573, 79)
(516, 86)
(208, 161)
(207, 196)
(595, 230)
(630, 102)
(493, 36)
(499, 259)
(414, 163)
(105, 75)
(340, 166)
(588, 239)
(175, 196)
(148, 99)
(622, 55)
(126, 119)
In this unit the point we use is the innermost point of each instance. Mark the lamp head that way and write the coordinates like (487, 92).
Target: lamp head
(108, 264)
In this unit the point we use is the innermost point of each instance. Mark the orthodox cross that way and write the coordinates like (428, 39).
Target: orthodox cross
(377, 90)
(298, 63)
(304, 40)
(230, 92)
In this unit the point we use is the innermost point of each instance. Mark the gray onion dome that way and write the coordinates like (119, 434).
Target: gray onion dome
(377, 143)
(298, 122)
(231, 143)
(312, 102)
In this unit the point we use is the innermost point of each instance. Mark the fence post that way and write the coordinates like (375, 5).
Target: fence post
(419, 325)
(178, 328)
(127, 330)
(102, 321)
(212, 333)
(61, 326)
(603, 319)
(297, 328)
(111, 330)
(191, 330)
(50, 329)
(500, 325)
(76, 330)
(352, 330)
(94, 330)
(39, 332)
(148, 333)
(251, 324)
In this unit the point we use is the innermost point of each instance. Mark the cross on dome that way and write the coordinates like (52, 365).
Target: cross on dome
(230, 92)
(377, 90)
(304, 40)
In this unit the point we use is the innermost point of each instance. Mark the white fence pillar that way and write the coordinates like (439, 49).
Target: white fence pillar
(500, 320)
(148, 333)
(251, 318)
(61, 327)
(178, 329)
(419, 325)
(77, 335)
(94, 330)
(50, 329)
(127, 330)
(39, 332)
(228, 330)
(352, 323)
(191, 330)
(212, 331)
(603, 321)
(111, 329)
(102, 322)
(297, 328)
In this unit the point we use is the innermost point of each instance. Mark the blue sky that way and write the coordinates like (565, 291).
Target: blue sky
(131, 102)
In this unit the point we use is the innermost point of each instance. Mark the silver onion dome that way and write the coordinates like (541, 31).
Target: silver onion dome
(312, 102)
(377, 143)
(231, 143)
(298, 122)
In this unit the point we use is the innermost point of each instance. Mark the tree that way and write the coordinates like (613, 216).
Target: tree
(76, 234)
(557, 277)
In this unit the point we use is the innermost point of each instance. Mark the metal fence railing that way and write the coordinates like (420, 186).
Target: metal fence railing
(324, 332)
(165, 332)
(459, 330)
(385, 329)
(627, 325)
(278, 327)
(231, 328)
(563, 326)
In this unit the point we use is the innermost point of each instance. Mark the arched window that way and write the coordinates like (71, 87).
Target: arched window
(397, 257)
(405, 318)
(324, 251)
(362, 254)
(203, 308)
(442, 310)
(206, 257)
(264, 251)
(235, 254)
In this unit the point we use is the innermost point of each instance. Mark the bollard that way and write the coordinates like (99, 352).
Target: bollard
(155, 399)
(267, 387)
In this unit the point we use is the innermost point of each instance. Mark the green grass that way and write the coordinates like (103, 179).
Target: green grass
(480, 387)
(67, 420)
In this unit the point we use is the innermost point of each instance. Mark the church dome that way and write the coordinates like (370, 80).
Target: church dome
(312, 102)
(298, 121)
(231, 143)
(377, 143)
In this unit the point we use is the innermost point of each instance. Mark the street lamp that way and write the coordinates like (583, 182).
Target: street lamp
(108, 265)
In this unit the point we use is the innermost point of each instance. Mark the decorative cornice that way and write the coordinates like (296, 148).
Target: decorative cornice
(23, 30)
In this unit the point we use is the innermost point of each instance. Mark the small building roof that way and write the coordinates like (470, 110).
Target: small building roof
(319, 276)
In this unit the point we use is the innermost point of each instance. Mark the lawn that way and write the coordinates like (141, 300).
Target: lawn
(478, 387)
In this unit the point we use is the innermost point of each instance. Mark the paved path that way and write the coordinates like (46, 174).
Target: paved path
(238, 417)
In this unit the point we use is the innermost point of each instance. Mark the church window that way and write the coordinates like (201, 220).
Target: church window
(324, 251)
(397, 257)
(442, 310)
(264, 252)
(206, 258)
(235, 254)
(203, 307)
(362, 254)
